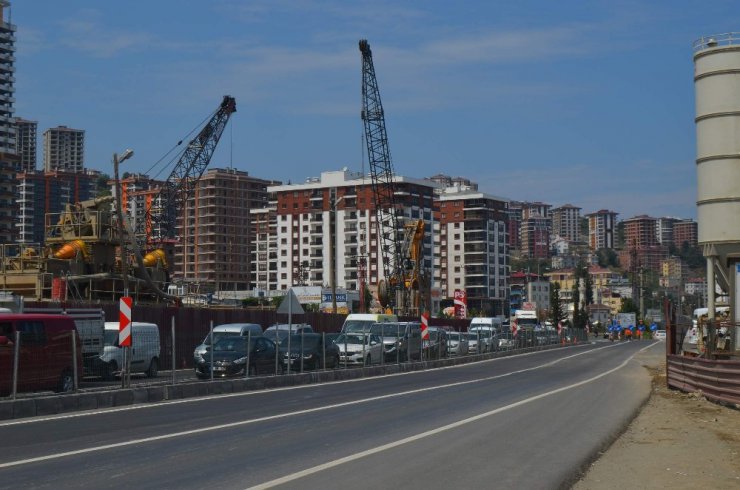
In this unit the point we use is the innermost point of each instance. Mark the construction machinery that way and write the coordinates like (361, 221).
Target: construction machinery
(403, 290)
(84, 250)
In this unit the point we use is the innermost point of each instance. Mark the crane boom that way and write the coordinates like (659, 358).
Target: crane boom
(180, 185)
(381, 174)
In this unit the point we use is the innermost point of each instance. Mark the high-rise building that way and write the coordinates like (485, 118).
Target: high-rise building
(664, 230)
(7, 80)
(601, 227)
(639, 232)
(216, 242)
(25, 144)
(42, 193)
(473, 248)
(535, 237)
(8, 157)
(566, 222)
(685, 231)
(306, 224)
(64, 149)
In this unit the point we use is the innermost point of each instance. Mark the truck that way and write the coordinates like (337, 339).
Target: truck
(525, 318)
(90, 326)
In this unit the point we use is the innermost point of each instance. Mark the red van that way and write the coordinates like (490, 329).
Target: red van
(45, 359)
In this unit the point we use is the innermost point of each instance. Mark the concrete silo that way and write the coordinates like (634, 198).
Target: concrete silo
(717, 85)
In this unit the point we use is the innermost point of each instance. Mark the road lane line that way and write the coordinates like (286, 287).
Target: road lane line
(105, 411)
(459, 423)
(280, 416)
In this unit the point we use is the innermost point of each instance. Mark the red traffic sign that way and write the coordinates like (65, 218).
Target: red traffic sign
(124, 322)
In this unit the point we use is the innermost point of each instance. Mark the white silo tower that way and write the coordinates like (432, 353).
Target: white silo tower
(717, 85)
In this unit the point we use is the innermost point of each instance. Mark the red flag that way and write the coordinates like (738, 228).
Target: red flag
(514, 328)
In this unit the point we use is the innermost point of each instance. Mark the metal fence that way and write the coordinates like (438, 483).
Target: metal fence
(166, 352)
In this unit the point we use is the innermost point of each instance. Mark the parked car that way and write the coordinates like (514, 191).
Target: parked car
(145, 350)
(230, 358)
(401, 340)
(242, 329)
(279, 331)
(435, 346)
(309, 345)
(507, 341)
(473, 343)
(46, 357)
(457, 343)
(359, 349)
(659, 335)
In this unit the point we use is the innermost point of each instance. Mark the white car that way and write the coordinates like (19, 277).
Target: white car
(457, 344)
(659, 335)
(359, 349)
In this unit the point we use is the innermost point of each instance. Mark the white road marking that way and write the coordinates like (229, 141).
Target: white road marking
(283, 415)
(459, 423)
(89, 413)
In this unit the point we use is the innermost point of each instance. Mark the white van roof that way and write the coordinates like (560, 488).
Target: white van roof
(116, 326)
(234, 327)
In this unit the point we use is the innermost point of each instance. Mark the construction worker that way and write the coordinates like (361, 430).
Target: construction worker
(628, 332)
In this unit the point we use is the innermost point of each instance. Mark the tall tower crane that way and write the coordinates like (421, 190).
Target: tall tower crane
(401, 257)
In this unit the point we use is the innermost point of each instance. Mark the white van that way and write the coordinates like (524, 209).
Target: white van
(360, 322)
(486, 323)
(242, 329)
(145, 349)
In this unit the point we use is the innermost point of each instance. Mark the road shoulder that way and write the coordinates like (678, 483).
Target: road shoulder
(678, 440)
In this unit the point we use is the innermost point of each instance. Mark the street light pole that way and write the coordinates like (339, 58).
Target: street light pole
(119, 212)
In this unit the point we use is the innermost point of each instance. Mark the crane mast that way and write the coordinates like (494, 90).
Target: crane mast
(383, 186)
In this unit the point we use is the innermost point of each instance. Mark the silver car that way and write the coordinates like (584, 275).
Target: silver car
(359, 349)
(457, 344)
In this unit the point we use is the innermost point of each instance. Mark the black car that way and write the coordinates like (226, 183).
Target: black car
(312, 349)
(230, 358)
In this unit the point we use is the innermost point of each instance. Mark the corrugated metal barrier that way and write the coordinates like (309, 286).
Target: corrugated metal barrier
(718, 380)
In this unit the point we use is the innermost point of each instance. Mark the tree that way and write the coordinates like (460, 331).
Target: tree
(577, 303)
(556, 308)
(628, 306)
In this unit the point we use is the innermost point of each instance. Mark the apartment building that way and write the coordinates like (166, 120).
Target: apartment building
(685, 231)
(8, 157)
(529, 288)
(566, 222)
(673, 273)
(215, 245)
(642, 250)
(602, 225)
(25, 144)
(64, 149)
(534, 236)
(44, 193)
(514, 225)
(640, 232)
(664, 230)
(336, 209)
(472, 252)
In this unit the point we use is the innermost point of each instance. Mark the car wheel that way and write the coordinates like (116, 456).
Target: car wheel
(108, 370)
(281, 369)
(153, 368)
(368, 360)
(253, 370)
(66, 383)
(336, 362)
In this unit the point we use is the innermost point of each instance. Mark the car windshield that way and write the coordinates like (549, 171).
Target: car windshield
(357, 326)
(454, 336)
(111, 338)
(217, 336)
(350, 339)
(231, 343)
(295, 342)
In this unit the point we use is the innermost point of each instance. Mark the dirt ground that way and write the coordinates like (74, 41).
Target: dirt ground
(677, 441)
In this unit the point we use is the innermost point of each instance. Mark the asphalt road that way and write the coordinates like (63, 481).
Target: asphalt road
(526, 421)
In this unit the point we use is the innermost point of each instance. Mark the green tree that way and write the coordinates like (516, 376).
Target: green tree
(628, 306)
(556, 308)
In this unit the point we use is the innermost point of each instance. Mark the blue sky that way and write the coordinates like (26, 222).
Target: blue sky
(582, 102)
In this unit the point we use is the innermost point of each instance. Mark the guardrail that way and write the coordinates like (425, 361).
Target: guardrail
(715, 40)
